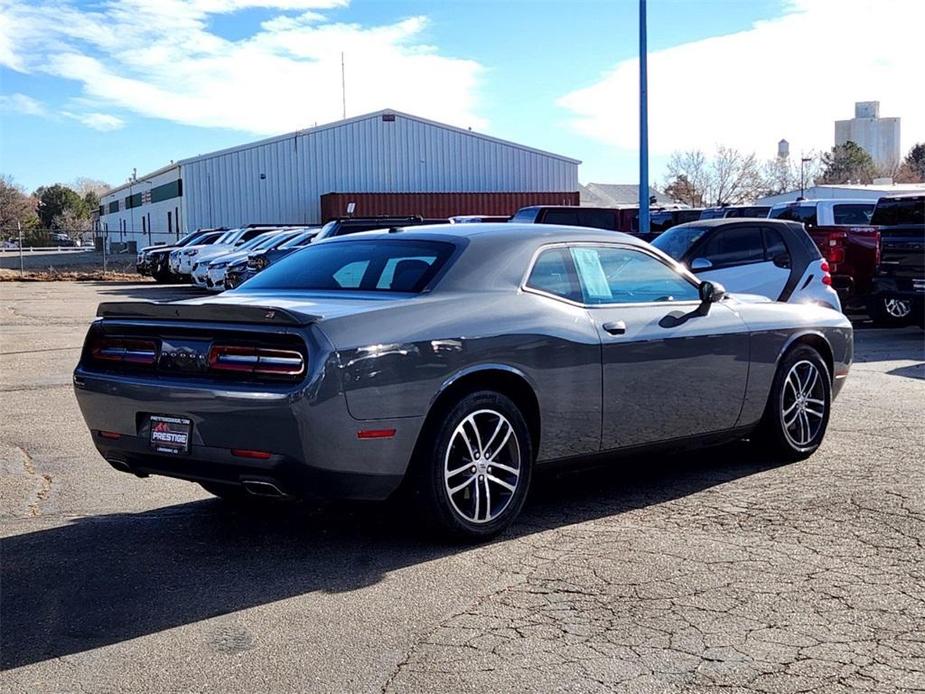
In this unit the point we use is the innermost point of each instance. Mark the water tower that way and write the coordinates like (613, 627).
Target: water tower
(783, 149)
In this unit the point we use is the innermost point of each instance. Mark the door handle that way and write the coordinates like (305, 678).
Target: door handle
(617, 327)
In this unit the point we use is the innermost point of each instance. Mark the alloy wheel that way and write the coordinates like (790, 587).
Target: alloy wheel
(482, 466)
(803, 403)
(897, 308)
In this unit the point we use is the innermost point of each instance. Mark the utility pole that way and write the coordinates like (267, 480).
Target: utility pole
(343, 85)
(803, 160)
(643, 124)
(19, 228)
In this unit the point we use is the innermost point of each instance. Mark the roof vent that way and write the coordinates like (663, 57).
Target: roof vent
(388, 117)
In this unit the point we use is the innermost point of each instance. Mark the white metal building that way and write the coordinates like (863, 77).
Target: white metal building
(845, 191)
(280, 179)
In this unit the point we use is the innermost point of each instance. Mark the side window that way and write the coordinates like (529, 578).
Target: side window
(852, 214)
(401, 272)
(552, 273)
(612, 275)
(597, 219)
(736, 246)
(776, 247)
(350, 275)
(567, 217)
(807, 215)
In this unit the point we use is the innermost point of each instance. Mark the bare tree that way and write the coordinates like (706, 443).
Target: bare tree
(731, 177)
(688, 174)
(783, 175)
(736, 177)
(84, 185)
(16, 206)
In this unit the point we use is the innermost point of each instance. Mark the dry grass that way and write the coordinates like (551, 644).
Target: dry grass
(73, 274)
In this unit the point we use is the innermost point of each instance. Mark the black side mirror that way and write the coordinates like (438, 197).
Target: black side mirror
(711, 292)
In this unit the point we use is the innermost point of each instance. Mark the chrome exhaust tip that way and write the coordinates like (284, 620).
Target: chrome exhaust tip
(263, 488)
(119, 464)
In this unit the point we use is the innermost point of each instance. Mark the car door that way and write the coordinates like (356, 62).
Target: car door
(672, 367)
(736, 257)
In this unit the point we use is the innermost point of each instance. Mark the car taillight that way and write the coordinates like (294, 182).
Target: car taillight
(125, 350)
(826, 277)
(256, 360)
(834, 250)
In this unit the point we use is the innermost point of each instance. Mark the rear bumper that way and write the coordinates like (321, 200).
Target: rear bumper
(292, 477)
(313, 441)
(899, 288)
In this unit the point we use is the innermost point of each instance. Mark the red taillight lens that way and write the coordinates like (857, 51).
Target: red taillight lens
(834, 250)
(824, 266)
(125, 350)
(256, 360)
(827, 280)
(247, 453)
(376, 433)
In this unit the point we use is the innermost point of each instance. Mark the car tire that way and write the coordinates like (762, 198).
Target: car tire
(889, 312)
(797, 414)
(464, 488)
(162, 274)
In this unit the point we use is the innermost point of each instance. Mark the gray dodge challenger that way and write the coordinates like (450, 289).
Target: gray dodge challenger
(451, 361)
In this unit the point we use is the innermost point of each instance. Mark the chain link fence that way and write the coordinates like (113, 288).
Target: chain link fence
(66, 253)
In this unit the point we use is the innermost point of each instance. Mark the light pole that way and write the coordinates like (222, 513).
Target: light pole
(803, 160)
(643, 125)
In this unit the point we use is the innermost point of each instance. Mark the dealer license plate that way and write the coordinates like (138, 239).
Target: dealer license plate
(170, 434)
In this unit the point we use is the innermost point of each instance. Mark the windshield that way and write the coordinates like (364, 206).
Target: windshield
(191, 239)
(258, 242)
(369, 266)
(677, 240)
(229, 236)
(299, 239)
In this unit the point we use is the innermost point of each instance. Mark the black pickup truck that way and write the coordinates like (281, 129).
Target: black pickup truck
(898, 290)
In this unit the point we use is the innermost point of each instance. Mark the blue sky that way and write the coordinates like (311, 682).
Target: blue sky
(96, 88)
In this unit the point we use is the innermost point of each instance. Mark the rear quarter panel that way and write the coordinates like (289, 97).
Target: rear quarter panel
(773, 329)
(395, 362)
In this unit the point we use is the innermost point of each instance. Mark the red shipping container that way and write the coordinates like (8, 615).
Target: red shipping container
(436, 205)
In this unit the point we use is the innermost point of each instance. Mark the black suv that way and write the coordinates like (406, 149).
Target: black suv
(898, 289)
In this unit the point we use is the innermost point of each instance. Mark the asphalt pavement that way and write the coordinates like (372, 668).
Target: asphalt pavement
(720, 571)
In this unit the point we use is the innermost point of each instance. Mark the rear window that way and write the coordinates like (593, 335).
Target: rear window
(857, 213)
(526, 215)
(796, 213)
(369, 266)
(756, 211)
(895, 212)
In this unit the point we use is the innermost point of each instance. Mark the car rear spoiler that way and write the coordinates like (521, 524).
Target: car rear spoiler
(219, 313)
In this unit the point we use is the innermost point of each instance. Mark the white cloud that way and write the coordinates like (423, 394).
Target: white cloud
(21, 103)
(789, 77)
(158, 58)
(97, 121)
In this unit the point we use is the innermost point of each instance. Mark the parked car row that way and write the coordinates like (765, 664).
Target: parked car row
(838, 253)
(219, 259)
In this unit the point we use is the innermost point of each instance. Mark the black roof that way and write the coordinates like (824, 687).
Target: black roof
(732, 221)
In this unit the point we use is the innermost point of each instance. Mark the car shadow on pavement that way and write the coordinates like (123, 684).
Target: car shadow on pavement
(153, 292)
(891, 344)
(101, 580)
